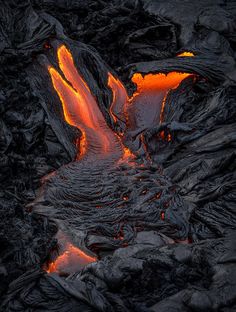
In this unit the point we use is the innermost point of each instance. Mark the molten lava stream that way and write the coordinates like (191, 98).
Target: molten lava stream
(98, 142)
(81, 110)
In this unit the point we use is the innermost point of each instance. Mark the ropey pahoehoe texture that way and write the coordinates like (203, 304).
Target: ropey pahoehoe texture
(152, 201)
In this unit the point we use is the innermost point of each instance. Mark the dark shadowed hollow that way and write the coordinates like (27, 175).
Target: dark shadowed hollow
(117, 155)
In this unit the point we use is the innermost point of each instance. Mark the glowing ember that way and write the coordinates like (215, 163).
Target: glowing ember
(127, 153)
(81, 145)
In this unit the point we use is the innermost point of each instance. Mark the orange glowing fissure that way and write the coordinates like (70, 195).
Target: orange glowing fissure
(81, 110)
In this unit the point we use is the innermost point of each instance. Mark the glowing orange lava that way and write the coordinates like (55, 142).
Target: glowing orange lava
(70, 259)
(79, 106)
(186, 53)
(82, 111)
(156, 84)
(158, 81)
(128, 153)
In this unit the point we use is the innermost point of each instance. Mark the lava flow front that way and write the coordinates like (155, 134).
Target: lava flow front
(95, 179)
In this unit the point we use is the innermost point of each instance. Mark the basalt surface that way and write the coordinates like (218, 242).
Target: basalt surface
(117, 155)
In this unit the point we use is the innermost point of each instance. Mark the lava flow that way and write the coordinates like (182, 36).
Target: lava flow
(80, 107)
(145, 108)
(97, 141)
(100, 146)
(154, 87)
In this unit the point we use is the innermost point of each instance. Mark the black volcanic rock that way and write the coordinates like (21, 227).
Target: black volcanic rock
(157, 271)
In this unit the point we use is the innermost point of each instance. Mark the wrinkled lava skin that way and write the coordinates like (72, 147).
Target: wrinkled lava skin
(127, 183)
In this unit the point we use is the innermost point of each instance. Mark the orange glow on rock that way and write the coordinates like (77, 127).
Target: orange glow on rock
(162, 216)
(127, 153)
(120, 98)
(47, 46)
(162, 134)
(163, 107)
(81, 145)
(70, 259)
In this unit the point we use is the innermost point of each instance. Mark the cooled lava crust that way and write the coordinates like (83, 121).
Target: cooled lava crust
(117, 155)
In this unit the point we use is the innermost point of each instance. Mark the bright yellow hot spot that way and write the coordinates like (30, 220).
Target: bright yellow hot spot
(187, 53)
